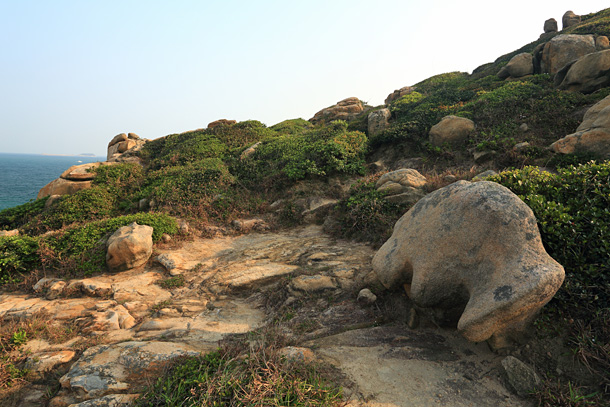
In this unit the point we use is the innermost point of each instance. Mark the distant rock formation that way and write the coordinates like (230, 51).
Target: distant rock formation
(550, 25)
(569, 19)
(347, 109)
(397, 94)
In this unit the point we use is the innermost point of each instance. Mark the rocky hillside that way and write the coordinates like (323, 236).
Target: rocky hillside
(450, 246)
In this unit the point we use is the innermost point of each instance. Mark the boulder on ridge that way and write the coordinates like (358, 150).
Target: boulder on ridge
(563, 49)
(347, 109)
(451, 129)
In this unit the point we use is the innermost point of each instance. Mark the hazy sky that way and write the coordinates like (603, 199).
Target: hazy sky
(75, 73)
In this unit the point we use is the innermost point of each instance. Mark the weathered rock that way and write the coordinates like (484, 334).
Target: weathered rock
(451, 129)
(550, 25)
(403, 186)
(366, 296)
(347, 109)
(483, 156)
(249, 151)
(221, 122)
(521, 378)
(520, 65)
(564, 49)
(123, 143)
(62, 186)
(172, 262)
(111, 400)
(482, 176)
(55, 289)
(521, 147)
(8, 233)
(246, 225)
(602, 43)
(117, 139)
(588, 74)
(297, 354)
(82, 172)
(313, 283)
(103, 369)
(52, 200)
(112, 320)
(473, 244)
(378, 121)
(397, 94)
(592, 136)
(129, 247)
(569, 19)
(42, 363)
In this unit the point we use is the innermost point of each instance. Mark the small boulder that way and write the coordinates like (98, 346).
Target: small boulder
(397, 94)
(550, 25)
(42, 364)
(520, 65)
(472, 245)
(297, 354)
(569, 19)
(404, 186)
(587, 74)
(172, 262)
(129, 247)
(378, 121)
(592, 136)
(314, 283)
(366, 297)
(602, 43)
(521, 377)
(451, 129)
(564, 49)
(347, 109)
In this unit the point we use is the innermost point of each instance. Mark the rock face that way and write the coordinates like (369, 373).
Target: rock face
(83, 172)
(592, 136)
(129, 247)
(451, 129)
(397, 94)
(563, 49)
(122, 143)
(520, 65)
(403, 186)
(550, 25)
(588, 74)
(569, 19)
(473, 244)
(378, 121)
(221, 122)
(521, 378)
(346, 109)
(62, 186)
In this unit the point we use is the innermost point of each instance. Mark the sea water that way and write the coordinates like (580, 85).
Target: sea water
(22, 175)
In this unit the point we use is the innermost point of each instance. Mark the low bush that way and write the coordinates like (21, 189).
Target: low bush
(18, 256)
(16, 217)
(292, 126)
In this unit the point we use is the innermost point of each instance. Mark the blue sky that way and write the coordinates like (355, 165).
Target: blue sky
(75, 73)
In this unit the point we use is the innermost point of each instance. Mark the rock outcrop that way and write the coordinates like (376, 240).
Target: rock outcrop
(62, 186)
(593, 134)
(520, 65)
(398, 93)
(451, 129)
(569, 19)
(121, 143)
(129, 247)
(403, 186)
(550, 25)
(564, 49)
(475, 245)
(587, 74)
(347, 109)
(378, 121)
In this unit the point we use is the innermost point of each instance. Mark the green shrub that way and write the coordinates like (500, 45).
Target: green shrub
(18, 256)
(15, 217)
(292, 126)
(573, 212)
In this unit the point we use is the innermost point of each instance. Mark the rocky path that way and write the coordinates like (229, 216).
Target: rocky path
(129, 322)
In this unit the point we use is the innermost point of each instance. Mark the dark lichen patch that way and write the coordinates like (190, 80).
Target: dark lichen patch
(529, 236)
(503, 293)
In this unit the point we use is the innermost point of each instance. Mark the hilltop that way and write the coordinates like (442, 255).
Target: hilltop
(262, 237)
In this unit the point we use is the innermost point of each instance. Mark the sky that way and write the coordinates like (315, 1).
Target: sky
(73, 74)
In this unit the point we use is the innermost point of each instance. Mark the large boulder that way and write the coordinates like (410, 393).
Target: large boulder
(347, 109)
(398, 93)
(564, 49)
(82, 172)
(378, 121)
(62, 186)
(520, 65)
(550, 25)
(122, 143)
(129, 247)
(592, 136)
(569, 19)
(588, 74)
(472, 245)
(451, 129)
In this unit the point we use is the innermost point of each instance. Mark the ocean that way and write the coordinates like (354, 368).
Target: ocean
(22, 175)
